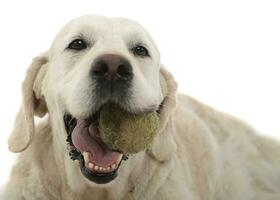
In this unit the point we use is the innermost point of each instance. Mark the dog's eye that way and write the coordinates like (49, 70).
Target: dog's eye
(77, 44)
(140, 51)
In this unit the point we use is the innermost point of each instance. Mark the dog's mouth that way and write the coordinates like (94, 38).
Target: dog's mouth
(98, 162)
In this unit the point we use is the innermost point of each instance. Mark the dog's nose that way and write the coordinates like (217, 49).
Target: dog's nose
(111, 66)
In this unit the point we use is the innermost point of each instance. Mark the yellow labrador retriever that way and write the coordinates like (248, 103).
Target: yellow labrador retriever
(198, 153)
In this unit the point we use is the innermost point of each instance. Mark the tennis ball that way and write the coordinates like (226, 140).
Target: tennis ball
(127, 132)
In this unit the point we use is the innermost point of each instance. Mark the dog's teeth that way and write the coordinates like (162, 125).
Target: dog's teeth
(94, 167)
(86, 157)
(90, 165)
(119, 159)
(114, 166)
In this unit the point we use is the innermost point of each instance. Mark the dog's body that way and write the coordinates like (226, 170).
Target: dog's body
(198, 153)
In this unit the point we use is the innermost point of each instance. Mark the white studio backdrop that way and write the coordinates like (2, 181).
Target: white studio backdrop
(224, 53)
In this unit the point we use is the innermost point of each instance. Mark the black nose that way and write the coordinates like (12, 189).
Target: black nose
(110, 66)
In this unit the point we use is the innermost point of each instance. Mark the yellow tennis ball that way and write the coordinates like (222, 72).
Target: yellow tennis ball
(127, 132)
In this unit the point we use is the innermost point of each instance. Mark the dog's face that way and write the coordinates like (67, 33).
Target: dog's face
(94, 61)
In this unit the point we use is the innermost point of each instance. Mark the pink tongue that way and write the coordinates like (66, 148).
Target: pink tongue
(85, 137)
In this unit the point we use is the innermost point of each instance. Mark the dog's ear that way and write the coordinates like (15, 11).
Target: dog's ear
(33, 103)
(164, 145)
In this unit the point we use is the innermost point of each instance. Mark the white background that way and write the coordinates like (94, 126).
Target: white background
(224, 53)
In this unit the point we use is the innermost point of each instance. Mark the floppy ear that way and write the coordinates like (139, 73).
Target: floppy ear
(33, 103)
(164, 145)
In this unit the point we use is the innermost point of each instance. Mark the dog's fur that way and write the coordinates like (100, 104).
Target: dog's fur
(199, 153)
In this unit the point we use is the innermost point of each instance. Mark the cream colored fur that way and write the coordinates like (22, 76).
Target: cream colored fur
(198, 154)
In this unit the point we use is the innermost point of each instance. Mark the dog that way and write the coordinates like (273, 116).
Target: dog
(198, 153)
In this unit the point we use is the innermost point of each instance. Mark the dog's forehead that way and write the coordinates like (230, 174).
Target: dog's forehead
(101, 25)
(112, 30)
(105, 22)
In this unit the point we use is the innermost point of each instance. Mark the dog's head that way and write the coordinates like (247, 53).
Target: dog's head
(94, 61)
